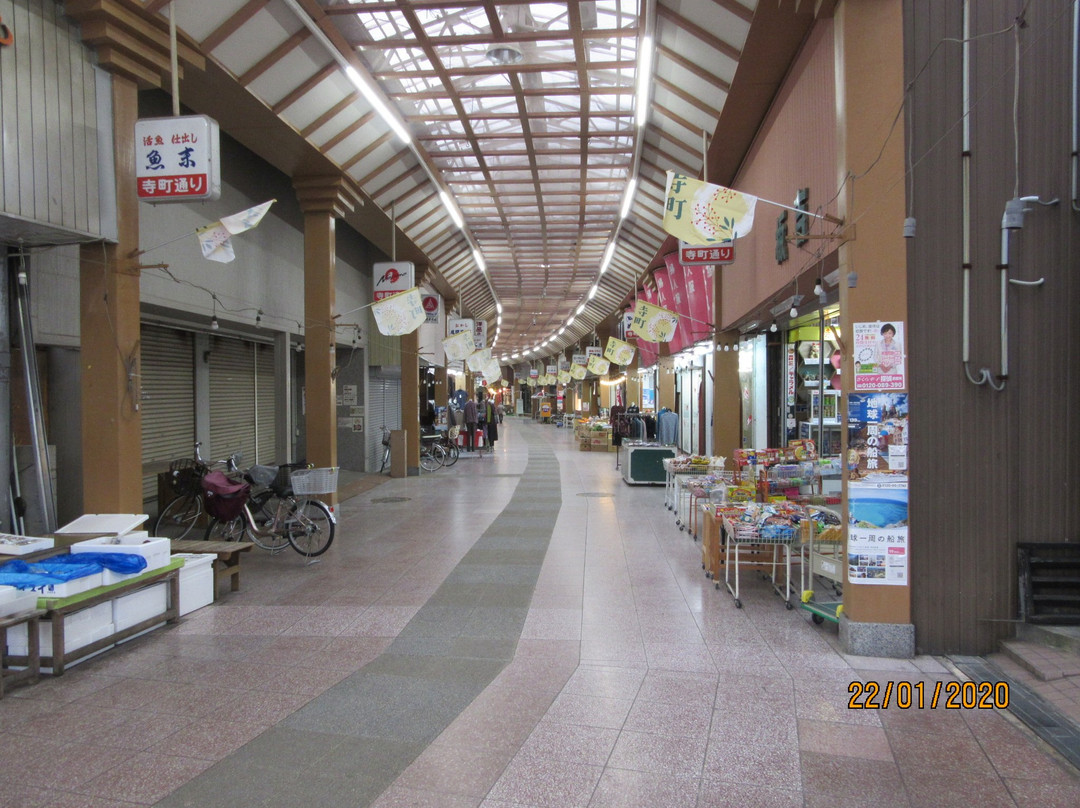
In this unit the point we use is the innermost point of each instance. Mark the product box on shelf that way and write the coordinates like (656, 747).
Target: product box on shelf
(155, 551)
(196, 581)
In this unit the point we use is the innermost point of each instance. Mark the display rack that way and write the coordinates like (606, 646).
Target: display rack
(822, 556)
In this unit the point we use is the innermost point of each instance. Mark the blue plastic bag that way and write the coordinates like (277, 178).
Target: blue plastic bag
(47, 572)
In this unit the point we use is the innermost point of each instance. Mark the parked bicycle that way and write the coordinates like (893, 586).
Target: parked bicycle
(436, 451)
(281, 512)
(185, 510)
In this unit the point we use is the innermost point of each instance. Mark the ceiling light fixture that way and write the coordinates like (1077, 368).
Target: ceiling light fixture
(570, 321)
(372, 97)
(592, 291)
(609, 253)
(498, 307)
(581, 308)
(452, 209)
(479, 258)
(819, 290)
(645, 59)
(628, 198)
(505, 53)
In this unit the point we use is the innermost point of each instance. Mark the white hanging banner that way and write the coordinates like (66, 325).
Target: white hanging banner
(399, 314)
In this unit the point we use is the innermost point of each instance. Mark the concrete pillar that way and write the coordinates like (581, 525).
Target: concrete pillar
(109, 311)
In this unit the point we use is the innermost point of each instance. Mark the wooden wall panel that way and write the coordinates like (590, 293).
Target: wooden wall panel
(989, 468)
(48, 111)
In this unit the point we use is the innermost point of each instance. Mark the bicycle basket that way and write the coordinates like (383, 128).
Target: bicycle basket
(307, 482)
(184, 475)
(224, 498)
(262, 475)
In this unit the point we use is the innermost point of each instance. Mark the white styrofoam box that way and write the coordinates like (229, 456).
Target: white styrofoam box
(73, 587)
(196, 581)
(116, 524)
(155, 551)
(138, 606)
(13, 601)
(80, 628)
(72, 642)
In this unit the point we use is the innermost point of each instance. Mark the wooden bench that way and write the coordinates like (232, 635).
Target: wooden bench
(33, 660)
(227, 563)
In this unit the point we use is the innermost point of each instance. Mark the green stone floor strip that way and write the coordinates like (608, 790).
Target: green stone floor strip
(347, 745)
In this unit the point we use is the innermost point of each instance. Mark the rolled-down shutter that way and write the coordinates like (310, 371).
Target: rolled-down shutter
(383, 409)
(167, 399)
(265, 406)
(232, 398)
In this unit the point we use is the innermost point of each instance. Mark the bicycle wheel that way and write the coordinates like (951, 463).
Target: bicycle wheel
(264, 507)
(431, 455)
(228, 530)
(452, 453)
(179, 517)
(310, 527)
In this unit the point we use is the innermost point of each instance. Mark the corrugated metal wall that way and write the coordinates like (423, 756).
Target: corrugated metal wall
(989, 469)
(48, 115)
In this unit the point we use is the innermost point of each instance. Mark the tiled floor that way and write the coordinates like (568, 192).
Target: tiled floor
(499, 640)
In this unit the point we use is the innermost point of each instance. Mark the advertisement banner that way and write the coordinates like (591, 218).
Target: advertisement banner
(699, 291)
(665, 297)
(480, 334)
(689, 331)
(878, 533)
(432, 307)
(879, 356)
(701, 213)
(878, 434)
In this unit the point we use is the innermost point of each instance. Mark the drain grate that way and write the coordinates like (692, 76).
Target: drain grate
(381, 500)
(595, 494)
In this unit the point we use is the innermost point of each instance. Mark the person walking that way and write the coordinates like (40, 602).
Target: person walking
(470, 424)
(492, 422)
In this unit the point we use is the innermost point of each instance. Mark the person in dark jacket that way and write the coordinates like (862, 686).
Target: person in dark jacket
(492, 417)
(470, 424)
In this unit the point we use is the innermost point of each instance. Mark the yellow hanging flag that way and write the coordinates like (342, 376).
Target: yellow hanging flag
(458, 346)
(700, 213)
(619, 352)
(577, 372)
(399, 314)
(598, 365)
(653, 323)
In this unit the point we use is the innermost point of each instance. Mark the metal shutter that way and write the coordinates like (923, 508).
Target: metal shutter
(383, 409)
(167, 393)
(265, 406)
(232, 399)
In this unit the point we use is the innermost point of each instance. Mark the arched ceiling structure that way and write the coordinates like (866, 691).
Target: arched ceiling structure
(518, 147)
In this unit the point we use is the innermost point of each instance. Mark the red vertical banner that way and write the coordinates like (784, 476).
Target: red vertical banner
(665, 295)
(689, 331)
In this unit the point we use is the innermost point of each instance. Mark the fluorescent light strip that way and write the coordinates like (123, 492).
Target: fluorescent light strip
(593, 290)
(609, 253)
(628, 198)
(452, 209)
(479, 258)
(644, 77)
(372, 97)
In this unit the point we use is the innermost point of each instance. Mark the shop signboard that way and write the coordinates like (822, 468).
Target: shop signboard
(177, 159)
(458, 326)
(721, 253)
(480, 334)
(791, 375)
(392, 277)
(579, 359)
(432, 306)
(879, 356)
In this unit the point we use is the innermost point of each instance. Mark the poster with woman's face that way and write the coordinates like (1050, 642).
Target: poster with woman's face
(879, 356)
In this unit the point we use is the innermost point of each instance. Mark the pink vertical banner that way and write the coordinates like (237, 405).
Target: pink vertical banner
(665, 296)
(689, 331)
(699, 290)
